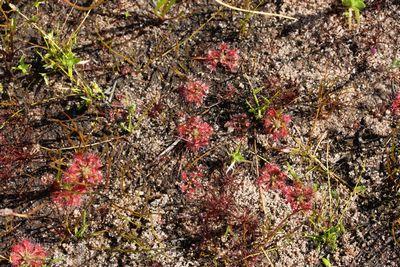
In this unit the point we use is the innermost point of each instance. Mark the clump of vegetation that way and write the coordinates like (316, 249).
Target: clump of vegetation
(162, 7)
(194, 92)
(224, 56)
(238, 124)
(353, 8)
(271, 177)
(226, 231)
(299, 196)
(192, 181)
(276, 124)
(195, 132)
(83, 174)
(26, 253)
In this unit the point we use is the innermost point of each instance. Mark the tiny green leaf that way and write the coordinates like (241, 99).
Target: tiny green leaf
(22, 66)
(69, 60)
(163, 6)
(396, 63)
(237, 157)
(354, 4)
(359, 189)
(326, 262)
(38, 3)
(45, 78)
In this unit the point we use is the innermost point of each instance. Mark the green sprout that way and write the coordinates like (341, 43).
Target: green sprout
(90, 93)
(236, 157)
(80, 231)
(260, 106)
(37, 3)
(396, 64)
(353, 6)
(131, 112)
(163, 7)
(60, 57)
(329, 236)
(326, 262)
(22, 66)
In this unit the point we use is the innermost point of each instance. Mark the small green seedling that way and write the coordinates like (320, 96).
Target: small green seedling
(129, 126)
(353, 7)
(37, 3)
(89, 93)
(45, 78)
(329, 237)
(293, 173)
(163, 7)
(396, 64)
(22, 66)
(236, 157)
(331, 228)
(60, 57)
(326, 262)
(260, 106)
(127, 14)
(360, 189)
(79, 232)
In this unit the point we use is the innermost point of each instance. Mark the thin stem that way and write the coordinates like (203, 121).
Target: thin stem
(253, 11)
(84, 8)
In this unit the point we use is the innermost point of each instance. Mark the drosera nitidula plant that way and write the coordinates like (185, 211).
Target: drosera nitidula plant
(353, 8)
(396, 105)
(192, 181)
(27, 254)
(194, 92)
(271, 177)
(83, 174)
(297, 194)
(195, 132)
(276, 124)
(238, 124)
(225, 230)
(224, 56)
